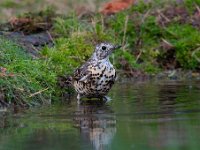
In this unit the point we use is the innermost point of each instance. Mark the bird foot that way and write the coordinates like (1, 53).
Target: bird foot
(106, 99)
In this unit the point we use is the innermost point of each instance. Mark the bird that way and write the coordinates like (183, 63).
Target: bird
(97, 75)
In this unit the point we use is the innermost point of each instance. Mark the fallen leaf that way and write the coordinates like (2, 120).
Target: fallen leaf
(4, 73)
(116, 6)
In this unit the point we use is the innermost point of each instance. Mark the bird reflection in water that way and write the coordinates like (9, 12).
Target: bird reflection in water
(97, 124)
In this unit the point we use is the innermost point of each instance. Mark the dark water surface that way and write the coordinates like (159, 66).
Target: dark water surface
(142, 116)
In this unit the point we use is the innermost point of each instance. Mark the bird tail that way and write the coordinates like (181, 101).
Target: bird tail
(68, 80)
(65, 81)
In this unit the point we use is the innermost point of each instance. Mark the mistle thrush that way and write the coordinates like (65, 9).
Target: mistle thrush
(95, 77)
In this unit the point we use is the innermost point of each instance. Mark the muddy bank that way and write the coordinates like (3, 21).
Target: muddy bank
(155, 43)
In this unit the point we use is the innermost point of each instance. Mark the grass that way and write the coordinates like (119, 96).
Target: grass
(185, 39)
(30, 76)
(137, 29)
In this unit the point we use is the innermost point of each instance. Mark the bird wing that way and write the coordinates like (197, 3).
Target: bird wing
(83, 73)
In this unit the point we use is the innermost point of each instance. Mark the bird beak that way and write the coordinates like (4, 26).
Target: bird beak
(117, 46)
(114, 48)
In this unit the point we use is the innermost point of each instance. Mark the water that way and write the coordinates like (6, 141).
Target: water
(142, 116)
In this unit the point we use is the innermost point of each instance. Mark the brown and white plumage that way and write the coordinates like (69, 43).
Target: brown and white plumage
(95, 78)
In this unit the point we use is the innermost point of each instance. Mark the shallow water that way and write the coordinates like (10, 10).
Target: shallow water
(149, 116)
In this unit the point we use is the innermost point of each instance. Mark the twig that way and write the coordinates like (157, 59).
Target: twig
(194, 54)
(102, 23)
(162, 15)
(34, 48)
(145, 16)
(4, 103)
(138, 42)
(138, 56)
(36, 93)
(125, 30)
(198, 9)
(166, 42)
(94, 24)
(49, 34)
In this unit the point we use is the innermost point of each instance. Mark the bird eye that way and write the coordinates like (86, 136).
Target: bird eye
(103, 48)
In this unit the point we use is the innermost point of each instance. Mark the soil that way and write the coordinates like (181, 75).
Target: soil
(31, 31)
(32, 43)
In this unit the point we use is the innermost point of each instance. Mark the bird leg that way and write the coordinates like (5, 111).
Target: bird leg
(79, 99)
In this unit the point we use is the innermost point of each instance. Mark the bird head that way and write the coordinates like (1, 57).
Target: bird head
(103, 50)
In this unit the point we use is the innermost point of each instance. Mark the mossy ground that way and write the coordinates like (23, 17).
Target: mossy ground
(155, 36)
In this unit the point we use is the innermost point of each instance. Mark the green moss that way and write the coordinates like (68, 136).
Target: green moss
(67, 26)
(150, 68)
(151, 35)
(185, 39)
(67, 54)
(191, 4)
(141, 7)
(30, 76)
(130, 26)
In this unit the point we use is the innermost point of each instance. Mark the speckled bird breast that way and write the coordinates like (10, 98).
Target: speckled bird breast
(102, 77)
